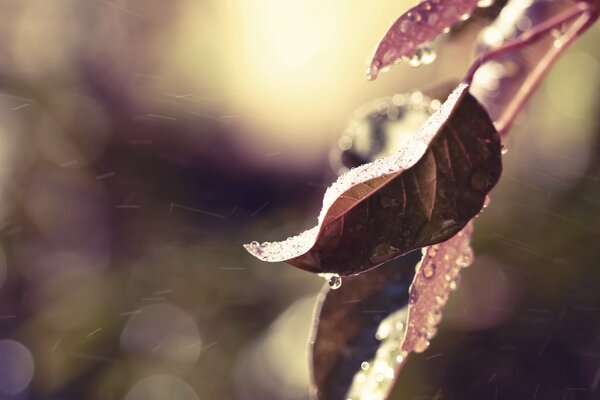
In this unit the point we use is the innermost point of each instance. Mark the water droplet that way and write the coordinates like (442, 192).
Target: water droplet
(372, 72)
(503, 149)
(421, 345)
(399, 359)
(405, 26)
(441, 299)
(487, 201)
(466, 257)
(485, 3)
(334, 281)
(453, 285)
(429, 270)
(427, 54)
(255, 244)
(434, 317)
(414, 16)
(430, 332)
(364, 365)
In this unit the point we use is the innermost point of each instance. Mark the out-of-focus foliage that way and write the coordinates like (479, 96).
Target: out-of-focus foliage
(141, 143)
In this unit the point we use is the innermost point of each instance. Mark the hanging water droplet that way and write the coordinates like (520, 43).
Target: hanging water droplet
(415, 61)
(421, 345)
(503, 149)
(430, 332)
(441, 299)
(364, 365)
(429, 270)
(487, 201)
(372, 72)
(466, 257)
(399, 359)
(428, 54)
(334, 281)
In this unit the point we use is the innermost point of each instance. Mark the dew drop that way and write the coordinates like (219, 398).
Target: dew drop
(503, 149)
(487, 201)
(441, 299)
(466, 258)
(428, 54)
(415, 16)
(333, 280)
(372, 72)
(434, 318)
(405, 26)
(364, 365)
(485, 3)
(421, 345)
(429, 270)
(430, 332)
(255, 244)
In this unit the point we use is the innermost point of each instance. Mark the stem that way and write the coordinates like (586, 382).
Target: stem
(585, 13)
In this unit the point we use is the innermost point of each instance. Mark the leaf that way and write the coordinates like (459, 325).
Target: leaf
(366, 329)
(421, 24)
(422, 195)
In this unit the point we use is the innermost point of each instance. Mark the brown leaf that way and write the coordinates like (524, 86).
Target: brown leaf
(366, 328)
(422, 195)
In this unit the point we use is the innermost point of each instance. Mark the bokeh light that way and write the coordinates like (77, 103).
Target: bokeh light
(16, 366)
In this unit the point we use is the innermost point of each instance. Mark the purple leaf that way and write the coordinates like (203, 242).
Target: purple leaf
(419, 25)
(422, 195)
(366, 329)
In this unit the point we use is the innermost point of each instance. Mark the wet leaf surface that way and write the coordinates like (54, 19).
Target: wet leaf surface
(422, 23)
(422, 195)
(346, 326)
(366, 329)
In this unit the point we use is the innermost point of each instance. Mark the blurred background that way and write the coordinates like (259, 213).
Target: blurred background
(142, 143)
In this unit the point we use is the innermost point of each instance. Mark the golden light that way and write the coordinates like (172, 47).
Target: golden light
(291, 71)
